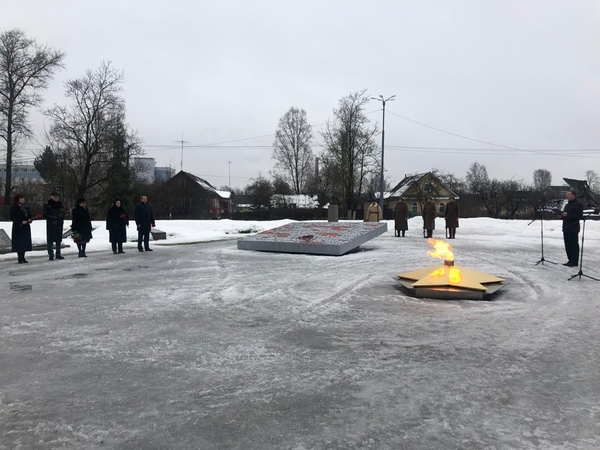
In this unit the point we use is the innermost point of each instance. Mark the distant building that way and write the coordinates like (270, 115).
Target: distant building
(21, 173)
(149, 173)
(415, 188)
(163, 173)
(145, 167)
(192, 197)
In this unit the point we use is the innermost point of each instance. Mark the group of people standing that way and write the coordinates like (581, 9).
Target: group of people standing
(429, 213)
(54, 213)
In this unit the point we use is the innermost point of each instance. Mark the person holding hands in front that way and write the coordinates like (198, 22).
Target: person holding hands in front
(20, 216)
(144, 219)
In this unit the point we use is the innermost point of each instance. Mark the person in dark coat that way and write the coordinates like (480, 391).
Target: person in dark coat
(117, 222)
(144, 219)
(401, 217)
(20, 216)
(571, 216)
(429, 212)
(452, 213)
(54, 213)
(81, 226)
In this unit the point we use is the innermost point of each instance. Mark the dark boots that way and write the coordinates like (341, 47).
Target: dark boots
(81, 248)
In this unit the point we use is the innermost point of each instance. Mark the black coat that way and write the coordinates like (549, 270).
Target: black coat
(21, 233)
(451, 213)
(117, 222)
(54, 214)
(574, 211)
(82, 223)
(144, 218)
(429, 214)
(401, 216)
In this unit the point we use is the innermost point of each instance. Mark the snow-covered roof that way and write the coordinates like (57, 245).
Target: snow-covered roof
(301, 201)
(406, 184)
(207, 186)
(409, 181)
(385, 195)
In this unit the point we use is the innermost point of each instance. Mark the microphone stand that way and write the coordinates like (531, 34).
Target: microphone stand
(542, 259)
(580, 273)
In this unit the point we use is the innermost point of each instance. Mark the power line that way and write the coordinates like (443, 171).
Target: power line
(466, 137)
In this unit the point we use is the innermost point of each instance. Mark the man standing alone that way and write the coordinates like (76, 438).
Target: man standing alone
(429, 212)
(54, 214)
(451, 214)
(571, 216)
(144, 220)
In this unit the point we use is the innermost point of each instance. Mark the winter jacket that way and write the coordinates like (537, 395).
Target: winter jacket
(117, 222)
(82, 223)
(21, 233)
(373, 213)
(452, 213)
(54, 214)
(574, 210)
(429, 214)
(144, 218)
(401, 216)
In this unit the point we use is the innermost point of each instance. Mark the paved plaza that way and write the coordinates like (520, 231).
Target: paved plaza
(209, 347)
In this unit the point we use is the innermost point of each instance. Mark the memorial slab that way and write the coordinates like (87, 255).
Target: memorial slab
(5, 242)
(315, 238)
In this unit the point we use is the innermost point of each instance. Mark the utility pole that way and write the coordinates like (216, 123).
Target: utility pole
(182, 142)
(229, 175)
(381, 183)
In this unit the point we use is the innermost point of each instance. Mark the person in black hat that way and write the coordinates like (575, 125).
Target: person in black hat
(54, 214)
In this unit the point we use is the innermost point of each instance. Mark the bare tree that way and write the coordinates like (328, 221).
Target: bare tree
(593, 180)
(91, 131)
(477, 178)
(514, 197)
(262, 190)
(540, 192)
(350, 152)
(293, 155)
(451, 181)
(542, 179)
(26, 68)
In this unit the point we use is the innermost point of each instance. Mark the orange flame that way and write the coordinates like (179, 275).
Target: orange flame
(438, 273)
(442, 250)
(454, 275)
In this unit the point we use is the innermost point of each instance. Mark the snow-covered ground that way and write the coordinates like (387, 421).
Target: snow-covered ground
(204, 346)
(490, 232)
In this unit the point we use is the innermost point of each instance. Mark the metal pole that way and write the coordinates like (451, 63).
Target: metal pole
(382, 147)
(381, 183)
(182, 142)
(229, 175)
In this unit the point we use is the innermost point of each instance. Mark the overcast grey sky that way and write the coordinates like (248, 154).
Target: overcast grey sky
(522, 74)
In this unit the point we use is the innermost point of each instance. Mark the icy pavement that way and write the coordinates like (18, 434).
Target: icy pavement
(204, 346)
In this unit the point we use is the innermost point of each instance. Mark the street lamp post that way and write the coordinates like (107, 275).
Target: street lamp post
(381, 183)
(229, 175)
